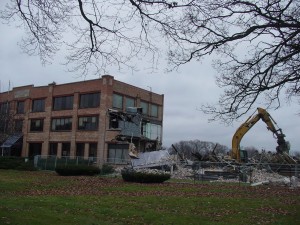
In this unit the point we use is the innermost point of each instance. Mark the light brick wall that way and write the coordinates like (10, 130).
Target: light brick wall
(107, 85)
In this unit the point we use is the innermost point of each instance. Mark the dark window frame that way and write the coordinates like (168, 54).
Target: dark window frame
(65, 149)
(85, 123)
(53, 147)
(152, 112)
(118, 103)
(145, 112)
(18, 127)
(20, 107)
(93, 149)
(4, 107)
(115, 150)
(35, 127)
(127, 102)
(80, 146)
(38, 105)
(63, 103)
(89, 100)
(61, 124)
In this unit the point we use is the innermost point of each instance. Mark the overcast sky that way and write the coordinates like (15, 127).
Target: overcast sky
(184, 92)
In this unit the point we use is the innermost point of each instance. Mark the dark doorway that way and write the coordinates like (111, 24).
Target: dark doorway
(34, 149)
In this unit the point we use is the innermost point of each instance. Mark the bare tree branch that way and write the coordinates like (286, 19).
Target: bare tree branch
(256, 42)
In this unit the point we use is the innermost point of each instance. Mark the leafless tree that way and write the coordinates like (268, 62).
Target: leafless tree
(257, 42)
(252, 151)
(7, 123)
(201, 149)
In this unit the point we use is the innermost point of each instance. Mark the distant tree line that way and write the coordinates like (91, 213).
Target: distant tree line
(196, 149)
(200, 150)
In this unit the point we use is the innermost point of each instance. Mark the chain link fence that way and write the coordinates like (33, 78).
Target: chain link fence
(244, 172)
(197, 170)
(50, 162)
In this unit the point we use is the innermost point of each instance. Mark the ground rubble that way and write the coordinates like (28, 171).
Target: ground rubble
(256, 177)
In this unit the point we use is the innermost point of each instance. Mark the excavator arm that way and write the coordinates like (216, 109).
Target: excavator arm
(262, 114)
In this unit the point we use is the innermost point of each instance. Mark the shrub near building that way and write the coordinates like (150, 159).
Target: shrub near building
(16, 163)
(77, 170)
(144, 176)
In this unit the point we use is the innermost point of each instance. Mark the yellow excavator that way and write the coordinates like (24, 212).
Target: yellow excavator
(241, 155)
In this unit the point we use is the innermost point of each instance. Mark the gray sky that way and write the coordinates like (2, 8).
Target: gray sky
(185, 91)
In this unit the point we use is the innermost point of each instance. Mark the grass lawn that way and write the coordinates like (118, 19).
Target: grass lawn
(46, 198)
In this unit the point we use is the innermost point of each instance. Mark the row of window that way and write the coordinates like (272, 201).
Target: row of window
(91, 100)
(36, 149)
(89, 123)
(147, 108)
(65, 124)
(53, 147)
(116, 153)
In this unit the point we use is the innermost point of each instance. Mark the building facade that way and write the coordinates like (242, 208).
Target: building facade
(95, 118)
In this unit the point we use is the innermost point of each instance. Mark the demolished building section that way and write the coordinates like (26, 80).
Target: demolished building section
(139, 133)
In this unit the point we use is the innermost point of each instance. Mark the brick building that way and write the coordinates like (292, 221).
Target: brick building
(94, 118)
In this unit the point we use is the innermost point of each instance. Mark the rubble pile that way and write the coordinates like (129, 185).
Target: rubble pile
(270, 157)
(260, 177)
(182, 173)
(255, 177)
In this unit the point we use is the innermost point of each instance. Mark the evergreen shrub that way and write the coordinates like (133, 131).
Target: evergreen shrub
(144, 176)
(16, 163)
(77, 170)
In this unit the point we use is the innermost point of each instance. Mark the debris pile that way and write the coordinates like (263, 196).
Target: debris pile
(182, 173)
(256, 177)
(262, 177)
(270, 157)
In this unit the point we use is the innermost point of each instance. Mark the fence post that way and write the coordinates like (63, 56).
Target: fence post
(46, 163)
(55, 162)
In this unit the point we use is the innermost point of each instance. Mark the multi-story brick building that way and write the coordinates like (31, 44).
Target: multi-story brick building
(94, 118)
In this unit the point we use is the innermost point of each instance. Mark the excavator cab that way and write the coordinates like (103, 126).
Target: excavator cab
(244, 156)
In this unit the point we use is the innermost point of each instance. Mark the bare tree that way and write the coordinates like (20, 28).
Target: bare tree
(7, 123)
(199, 149)
(257, 42)
(251, 151)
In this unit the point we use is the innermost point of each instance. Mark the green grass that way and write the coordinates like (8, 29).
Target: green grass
(46, 198)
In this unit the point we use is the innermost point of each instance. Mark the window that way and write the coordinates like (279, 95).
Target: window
(34, 149)
(93, 150)
(60, 124)
(63, 103)
(18, 125)
(91, 100)
(38, 105)
(88, 123)
(152, 131)
(4, 107)
(53, 149)
(117, 101)
(113, 121)
(144, 106)
(65, 149)
(80, 149)
(20, 107)
(118, 153)
(129, 102)
(154, 110)
(36, 125)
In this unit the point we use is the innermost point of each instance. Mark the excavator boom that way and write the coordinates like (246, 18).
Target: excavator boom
(262, 114)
